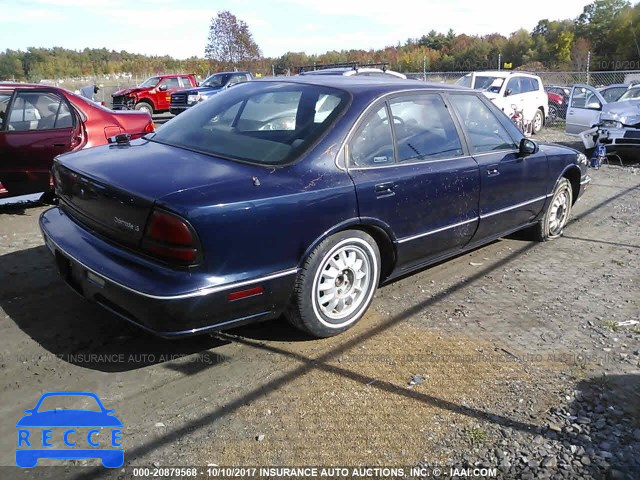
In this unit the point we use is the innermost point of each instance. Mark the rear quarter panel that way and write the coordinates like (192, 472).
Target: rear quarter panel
(251, 230)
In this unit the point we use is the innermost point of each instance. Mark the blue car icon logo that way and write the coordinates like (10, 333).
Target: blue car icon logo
(66, 433)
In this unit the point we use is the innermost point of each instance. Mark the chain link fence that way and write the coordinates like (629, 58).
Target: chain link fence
(596, 79)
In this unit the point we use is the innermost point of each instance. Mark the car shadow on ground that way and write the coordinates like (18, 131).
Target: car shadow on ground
(8, 207)
(79, 332)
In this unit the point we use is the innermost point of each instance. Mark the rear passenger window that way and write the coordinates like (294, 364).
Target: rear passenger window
(372, 144)
(170, 83)
(514, 86)
(486, 133)
(535, 86)
(424, 129)
(237, 79)
(39, 111)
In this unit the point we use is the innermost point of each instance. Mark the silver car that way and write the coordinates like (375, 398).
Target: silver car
(615, 124)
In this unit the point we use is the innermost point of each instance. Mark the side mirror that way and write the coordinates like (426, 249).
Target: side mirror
(508, 92)
(595, 105)
(528, 147)
(163, 88)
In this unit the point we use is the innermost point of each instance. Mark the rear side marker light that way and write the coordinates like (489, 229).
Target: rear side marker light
(239, 295)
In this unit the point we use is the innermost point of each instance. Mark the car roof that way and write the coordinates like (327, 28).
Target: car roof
(615, 85)
(222, 73)
(352, 71)
(504, 73)
(357, 84)
(26, 85)
(328, 71)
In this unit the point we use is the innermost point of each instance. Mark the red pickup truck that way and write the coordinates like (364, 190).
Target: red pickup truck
(154, 94)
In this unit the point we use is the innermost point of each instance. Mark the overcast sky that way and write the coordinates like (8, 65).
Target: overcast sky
(180, 27)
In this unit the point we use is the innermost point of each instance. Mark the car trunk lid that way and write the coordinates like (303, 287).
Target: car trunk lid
(112, 189)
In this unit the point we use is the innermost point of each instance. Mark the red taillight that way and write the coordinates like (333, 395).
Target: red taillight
(169, 228)
(150, 128)
(169, 237)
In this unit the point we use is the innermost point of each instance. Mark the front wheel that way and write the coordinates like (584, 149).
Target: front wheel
(538, 121)
(336, 284)
(144, 107)
(557, 214)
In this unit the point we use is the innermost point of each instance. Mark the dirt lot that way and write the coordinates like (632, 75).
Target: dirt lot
(518, 355)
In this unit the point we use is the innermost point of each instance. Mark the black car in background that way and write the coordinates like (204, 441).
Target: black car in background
(216, 83)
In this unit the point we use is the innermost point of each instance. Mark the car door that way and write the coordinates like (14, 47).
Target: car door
(513, 96)
(583, 111)
(166, 87)
(512, 187)
(413, 177)
(38, 125)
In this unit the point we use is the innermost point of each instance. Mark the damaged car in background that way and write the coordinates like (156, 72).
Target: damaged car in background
(615, 125)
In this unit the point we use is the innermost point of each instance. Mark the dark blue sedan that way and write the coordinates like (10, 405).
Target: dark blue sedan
(298, 196)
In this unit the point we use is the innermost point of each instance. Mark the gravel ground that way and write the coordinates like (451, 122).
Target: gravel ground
(518, 355)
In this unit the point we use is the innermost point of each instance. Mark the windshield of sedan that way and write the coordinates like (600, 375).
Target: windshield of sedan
(215, 80)
(150, 82)
(632, 94)
(267, 123)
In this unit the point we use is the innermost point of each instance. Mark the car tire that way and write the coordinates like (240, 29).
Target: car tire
(538, 121)
(144, 107)
(553, 113)
(556, 216)
(48, 198)
(336, 284)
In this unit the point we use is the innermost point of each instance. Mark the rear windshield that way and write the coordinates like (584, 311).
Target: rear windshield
(267, 123)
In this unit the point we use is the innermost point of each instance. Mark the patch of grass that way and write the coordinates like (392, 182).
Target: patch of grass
(477, 436)
(620, 263)
(611, 325)
(636, 330)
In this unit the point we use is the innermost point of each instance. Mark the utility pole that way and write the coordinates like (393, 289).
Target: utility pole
(588, 64)
(424, 68)
(499, 60)
(273, 70)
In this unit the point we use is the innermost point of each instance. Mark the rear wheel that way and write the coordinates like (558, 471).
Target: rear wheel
(336, 284)
(557, 215)
(538, 121)
(144, 107)
(553, 113)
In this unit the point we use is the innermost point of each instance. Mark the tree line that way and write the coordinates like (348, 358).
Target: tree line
(605, 34)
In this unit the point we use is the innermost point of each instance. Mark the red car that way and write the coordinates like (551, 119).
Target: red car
(557, 106)
(39, 122)
(154, 94)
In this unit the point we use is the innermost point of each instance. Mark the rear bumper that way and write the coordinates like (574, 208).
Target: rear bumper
(110, 277)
